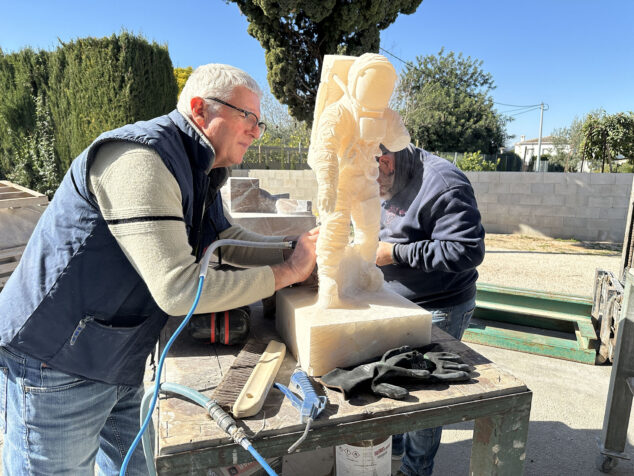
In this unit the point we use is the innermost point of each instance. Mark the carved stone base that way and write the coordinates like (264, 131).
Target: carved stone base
(322, 339)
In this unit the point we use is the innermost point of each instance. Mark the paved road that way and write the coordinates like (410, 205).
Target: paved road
(553, 272)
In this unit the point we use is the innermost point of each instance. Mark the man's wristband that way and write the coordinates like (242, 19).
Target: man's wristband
(395, 257)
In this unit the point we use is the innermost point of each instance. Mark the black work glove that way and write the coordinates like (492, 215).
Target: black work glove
(401, 365)
(397, 365)
(446, 367)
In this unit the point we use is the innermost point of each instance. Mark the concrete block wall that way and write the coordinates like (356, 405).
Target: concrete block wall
(582, 206)
(300, 184)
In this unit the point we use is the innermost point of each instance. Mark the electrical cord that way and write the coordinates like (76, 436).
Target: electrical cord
(238, 435)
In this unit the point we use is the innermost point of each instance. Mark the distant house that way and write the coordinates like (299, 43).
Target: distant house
(527, 149)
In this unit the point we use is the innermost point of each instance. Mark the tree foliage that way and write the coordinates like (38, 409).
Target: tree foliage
(445, 102)
(474, 162)
(23, 78)
(285, 143)
(54, 104)
(296, 34)
(98, 84)
(35, 162)
(607, 136)
(567, 142)
(182, 75)
(281, 128)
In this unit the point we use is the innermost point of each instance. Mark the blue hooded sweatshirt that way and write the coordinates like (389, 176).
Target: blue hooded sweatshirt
(434, 220)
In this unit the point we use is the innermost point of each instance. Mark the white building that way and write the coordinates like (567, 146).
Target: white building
(527, 149)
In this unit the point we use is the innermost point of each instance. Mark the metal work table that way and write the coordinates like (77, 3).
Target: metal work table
(189, 442)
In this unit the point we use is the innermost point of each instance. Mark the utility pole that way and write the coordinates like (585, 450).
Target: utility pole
(539, 141)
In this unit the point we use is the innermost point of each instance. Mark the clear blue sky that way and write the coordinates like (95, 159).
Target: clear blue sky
(574, 55)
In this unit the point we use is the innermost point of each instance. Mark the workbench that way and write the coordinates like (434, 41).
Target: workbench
(189, 442)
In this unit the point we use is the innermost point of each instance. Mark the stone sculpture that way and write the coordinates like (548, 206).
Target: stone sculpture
(351, 119)
(352, 318)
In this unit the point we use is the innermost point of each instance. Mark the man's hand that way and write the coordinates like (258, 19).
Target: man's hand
(300, 264)
(384, 253)
(287, 252)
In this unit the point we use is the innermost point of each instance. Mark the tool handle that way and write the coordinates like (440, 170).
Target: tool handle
(301, 383)
(297, 403)
(312, 404)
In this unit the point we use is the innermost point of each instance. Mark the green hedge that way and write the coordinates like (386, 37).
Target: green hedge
(88, 86)
(99, 84)
(23, 78)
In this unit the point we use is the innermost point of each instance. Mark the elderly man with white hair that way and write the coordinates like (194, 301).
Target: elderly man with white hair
(115, 253)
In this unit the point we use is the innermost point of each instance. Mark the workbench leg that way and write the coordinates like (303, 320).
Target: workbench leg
(499, 442)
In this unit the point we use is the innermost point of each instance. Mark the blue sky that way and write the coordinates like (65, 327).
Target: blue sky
(574, 55)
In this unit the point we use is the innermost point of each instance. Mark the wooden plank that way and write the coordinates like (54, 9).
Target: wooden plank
(14, 195)
(23, 202)
(9, 259)
(254, 392)
(14, 253)
(7, 267)
(33, 193)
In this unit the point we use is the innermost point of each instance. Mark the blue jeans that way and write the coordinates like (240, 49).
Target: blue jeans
(419, 447)
(58, 424)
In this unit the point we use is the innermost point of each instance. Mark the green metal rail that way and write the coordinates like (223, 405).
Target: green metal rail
(550, 324)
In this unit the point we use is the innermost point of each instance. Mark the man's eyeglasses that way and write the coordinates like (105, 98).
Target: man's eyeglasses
(248, 116)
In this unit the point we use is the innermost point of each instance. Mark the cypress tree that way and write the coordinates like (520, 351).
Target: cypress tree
(23, 77)
(73, 94)
(98, 84)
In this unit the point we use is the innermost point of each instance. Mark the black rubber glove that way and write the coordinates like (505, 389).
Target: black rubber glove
(446, 367)
(397, 365)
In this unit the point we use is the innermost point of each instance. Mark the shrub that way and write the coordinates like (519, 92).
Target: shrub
(625, 168)
(36, 165)
(23, 77)
(474, 162)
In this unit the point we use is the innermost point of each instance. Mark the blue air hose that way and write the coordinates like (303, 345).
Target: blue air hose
(204, 264)
(223, 419)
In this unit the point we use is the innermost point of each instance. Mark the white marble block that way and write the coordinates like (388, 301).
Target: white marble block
(322, 339)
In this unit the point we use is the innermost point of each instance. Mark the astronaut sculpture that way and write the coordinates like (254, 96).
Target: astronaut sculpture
(351, 119)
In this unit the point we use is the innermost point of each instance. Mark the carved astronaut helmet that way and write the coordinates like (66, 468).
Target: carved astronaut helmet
(371, 80)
